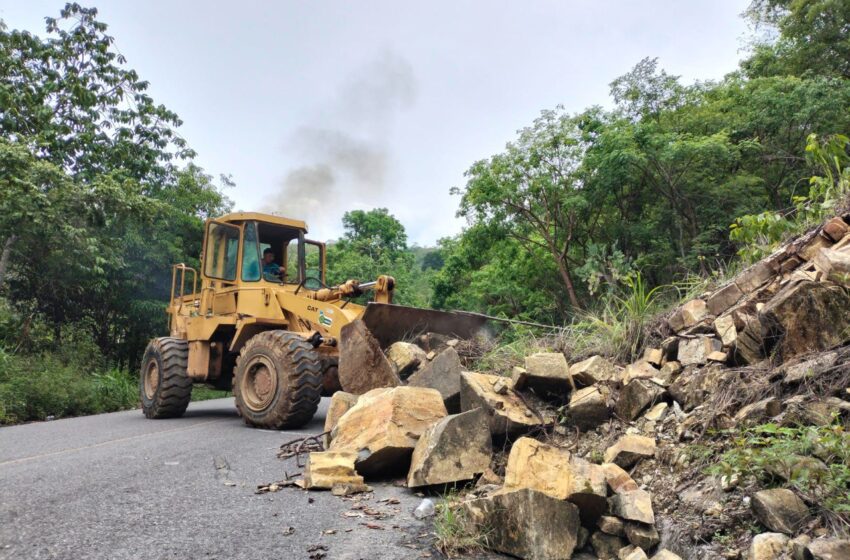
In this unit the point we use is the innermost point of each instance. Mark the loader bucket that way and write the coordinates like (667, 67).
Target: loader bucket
(390, 323)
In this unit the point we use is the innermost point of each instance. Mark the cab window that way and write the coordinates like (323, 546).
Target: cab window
(251, 254)
(222, 251)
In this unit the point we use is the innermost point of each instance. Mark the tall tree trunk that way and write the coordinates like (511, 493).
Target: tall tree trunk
(568, 281)
(4, 256)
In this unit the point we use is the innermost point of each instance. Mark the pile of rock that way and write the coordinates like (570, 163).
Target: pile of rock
(542, 492)
(790, 303)
(416, 411)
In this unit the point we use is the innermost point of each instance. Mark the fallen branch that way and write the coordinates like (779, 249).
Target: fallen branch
(297, 446)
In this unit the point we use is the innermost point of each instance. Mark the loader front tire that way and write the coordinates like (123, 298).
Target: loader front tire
(278, 380)
(164, 384)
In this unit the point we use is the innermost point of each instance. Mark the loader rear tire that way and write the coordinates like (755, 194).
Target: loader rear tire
(278, 380)
(164, 384)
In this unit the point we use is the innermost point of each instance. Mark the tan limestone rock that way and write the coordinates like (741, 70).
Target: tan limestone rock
(631, 552)
(641, 535)
(612, 525)
(555, 472)
(807, 317)
(829, 549)
(696, 350)
(654, 356)
(606, 546)
(341, 402)
(665, 554)
(617, 479)
(724, 326)
(634, 506)
(688, 315)
(629, 449)
(324, 469)
(836, 229)
(768, 546)
(779, 510)
(637, 396)
(405, 357)
(455, 449)
(443, 374)
(508, 413)
(589, 407)
(527, 524)
(835, 266)
(759, 411)
(723, 298)
(594, 370)
(362, 364)
(656, 413)
(640, 369)
(384, 426)
(546, 371)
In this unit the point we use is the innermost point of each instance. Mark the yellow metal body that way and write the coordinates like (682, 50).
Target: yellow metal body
(222, 305)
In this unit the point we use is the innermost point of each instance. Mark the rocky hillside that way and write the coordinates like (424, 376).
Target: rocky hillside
(727, 439)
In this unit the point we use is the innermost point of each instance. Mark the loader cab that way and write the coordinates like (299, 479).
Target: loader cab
(234, 247)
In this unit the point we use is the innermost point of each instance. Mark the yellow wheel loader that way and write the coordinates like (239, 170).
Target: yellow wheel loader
(258, 318)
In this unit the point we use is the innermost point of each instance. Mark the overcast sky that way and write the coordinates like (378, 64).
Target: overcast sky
(318, 107)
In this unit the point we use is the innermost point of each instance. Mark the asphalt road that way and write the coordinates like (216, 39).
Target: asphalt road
(119, 486)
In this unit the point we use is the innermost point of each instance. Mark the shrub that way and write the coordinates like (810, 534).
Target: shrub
(771, 454)
(34, 387)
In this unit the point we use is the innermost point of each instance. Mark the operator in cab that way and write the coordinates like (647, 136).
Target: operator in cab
(271, 270)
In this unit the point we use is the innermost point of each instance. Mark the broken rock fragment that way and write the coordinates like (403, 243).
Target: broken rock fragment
(384, 426)
(665, 554)
(606, 547)
(634, 506)
(528, 524)
(758, 411)
(637, 396)
(696, 350)
(807, 317)
(589, 407)
(829, 549)
(546, 371)
(617, 479)
(688, 315)
(443, 374)
(406, 357)
(629, 449)
(779, 510)
(768, 546)
(593, 370)
(507, 412)
(835, 266)
(611, 525)
(456, 448)
(631, 552)
(640, 369)
(324, 469)
(341, 402)
(641, 535)
(362, 364)
(555, 472)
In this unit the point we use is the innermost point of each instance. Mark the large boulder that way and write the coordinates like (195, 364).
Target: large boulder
(443, 374)
(362, 364)
(405, 357)
(723, 298)
(594, 370)
(456, 448)
(779, 510)
(807, 317)
(555, 472)
(384, 426)
(589, 407)
(507, 411)
(637, 396)
(629, 449)
(341, 402)
(528, 524)
(324, 469)
(545, 372)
